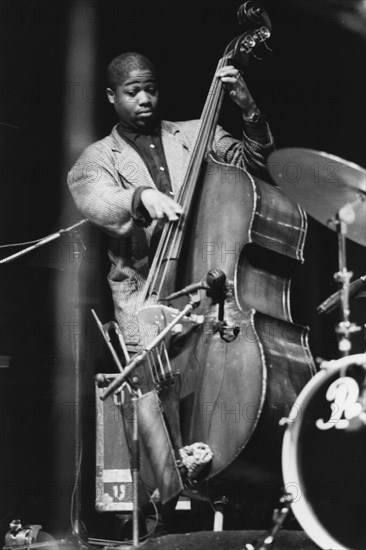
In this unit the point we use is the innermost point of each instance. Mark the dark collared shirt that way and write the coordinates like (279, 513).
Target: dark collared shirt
(150, 149)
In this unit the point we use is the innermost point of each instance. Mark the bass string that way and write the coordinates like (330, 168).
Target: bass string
(186, 192)
(167, 238)
(196, 158)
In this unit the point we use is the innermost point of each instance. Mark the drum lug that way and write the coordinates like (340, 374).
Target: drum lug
(323, 364)
(284, 421)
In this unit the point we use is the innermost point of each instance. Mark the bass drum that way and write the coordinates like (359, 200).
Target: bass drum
(324, 455)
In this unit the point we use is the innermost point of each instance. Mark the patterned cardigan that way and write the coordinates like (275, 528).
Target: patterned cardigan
(103, 182)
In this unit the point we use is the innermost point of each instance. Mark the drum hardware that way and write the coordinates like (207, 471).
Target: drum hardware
(344, 217)
(279, 515)
(333, 191)
(324, 364)
(323, 184)
(324, 452)
(335, 299)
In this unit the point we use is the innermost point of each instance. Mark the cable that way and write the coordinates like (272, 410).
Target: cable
(34, 241)
(21, 244)
(78, 469)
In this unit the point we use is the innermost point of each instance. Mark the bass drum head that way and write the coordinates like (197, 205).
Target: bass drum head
(324, 456)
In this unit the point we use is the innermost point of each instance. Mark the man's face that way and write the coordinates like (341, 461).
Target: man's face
(136, 100)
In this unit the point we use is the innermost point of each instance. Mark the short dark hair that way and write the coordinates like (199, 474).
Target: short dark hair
(120, 67)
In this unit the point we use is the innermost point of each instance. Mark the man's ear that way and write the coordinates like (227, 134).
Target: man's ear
(110, 95)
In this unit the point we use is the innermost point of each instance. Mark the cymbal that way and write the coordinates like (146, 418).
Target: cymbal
(322, 185)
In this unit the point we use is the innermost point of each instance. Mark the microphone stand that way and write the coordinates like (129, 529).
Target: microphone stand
(119, 380)
(77, 525)
(135, 445)
(42, 242)
(137, 360)
(76, 494)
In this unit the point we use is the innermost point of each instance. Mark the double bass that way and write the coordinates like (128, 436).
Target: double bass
(234, 369)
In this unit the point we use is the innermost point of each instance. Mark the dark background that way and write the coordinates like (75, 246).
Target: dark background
(311, 89)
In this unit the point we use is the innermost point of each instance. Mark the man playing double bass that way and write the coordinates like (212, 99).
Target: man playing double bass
(126, 183)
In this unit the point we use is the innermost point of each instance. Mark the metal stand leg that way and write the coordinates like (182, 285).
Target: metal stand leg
(135, 448)
(135, 468)
(219, 514)
(78, 530)
(345, 328)
(265, 542)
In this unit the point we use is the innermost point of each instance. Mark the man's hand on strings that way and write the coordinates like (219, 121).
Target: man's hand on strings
(160, 206)
(238, 89)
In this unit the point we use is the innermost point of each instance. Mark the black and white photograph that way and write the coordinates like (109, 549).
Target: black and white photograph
(183, 275)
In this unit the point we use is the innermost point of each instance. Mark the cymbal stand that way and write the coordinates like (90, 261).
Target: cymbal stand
(345, 216)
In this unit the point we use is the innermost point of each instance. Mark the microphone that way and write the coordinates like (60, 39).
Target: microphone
(214, 280)
(331, 303)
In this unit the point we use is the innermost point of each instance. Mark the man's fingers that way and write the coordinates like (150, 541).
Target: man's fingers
(229, 79)
(172, 207)
(226, 71)
(160, 206)
(173, 211)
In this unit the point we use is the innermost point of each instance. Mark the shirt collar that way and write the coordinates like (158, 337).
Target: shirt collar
(132, 135)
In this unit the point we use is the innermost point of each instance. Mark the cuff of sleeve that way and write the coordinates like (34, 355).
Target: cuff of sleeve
(257, 131)
(260, 136)
(139, 214)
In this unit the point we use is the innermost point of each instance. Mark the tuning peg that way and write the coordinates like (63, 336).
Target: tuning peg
(256, 57)
(267, 47)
